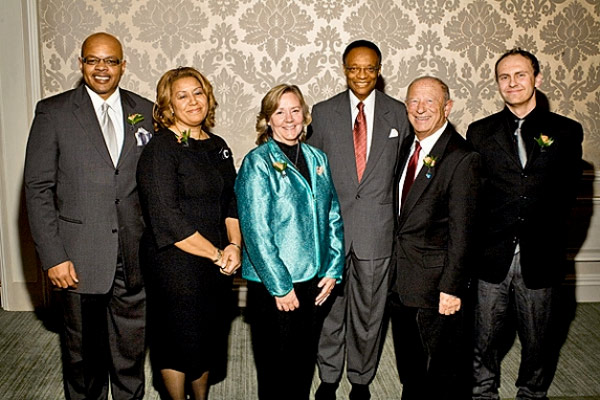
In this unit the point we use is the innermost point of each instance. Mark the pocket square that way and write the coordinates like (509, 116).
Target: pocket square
(393, 133)
(142, 137)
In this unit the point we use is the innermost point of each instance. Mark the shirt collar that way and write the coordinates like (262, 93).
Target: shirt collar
(369, 102)
(430, 141)
(113, 101)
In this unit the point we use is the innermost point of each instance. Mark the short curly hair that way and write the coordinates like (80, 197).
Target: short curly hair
(269, 105)
(163, 111)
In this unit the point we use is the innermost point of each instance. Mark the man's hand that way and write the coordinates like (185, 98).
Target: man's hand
(63, 275)
(289, 302)
(326, 285)
(449, 304)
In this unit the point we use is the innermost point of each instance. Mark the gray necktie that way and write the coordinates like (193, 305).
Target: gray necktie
(110, 136)
(521, 144)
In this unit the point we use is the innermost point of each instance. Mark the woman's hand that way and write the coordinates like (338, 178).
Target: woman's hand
(289, 302)
(232, 259)
(326, 284)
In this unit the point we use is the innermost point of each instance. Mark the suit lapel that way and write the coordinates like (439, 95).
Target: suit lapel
(129, 141)
(422, 181)
(379, 136)
(503, 136)
(345, 149)
(86, 115)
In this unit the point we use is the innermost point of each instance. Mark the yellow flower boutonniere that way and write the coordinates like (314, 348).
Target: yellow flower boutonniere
(280, 166)
(544, 141)
(134, 119)
(429, 161)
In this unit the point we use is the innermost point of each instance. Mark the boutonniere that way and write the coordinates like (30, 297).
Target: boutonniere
(280, 166)
(320, 170)
(544, 141)
(429, 161)
(134, 119)
(184, 137)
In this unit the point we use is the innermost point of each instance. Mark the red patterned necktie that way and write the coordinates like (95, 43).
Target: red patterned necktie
(360, 140)
(411, 168)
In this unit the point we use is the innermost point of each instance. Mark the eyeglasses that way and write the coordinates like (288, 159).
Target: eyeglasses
(110, 62)
(356, 70)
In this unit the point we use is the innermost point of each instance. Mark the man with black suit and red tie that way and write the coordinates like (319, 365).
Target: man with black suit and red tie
(531, 162)
(436, 193)
(86, 221)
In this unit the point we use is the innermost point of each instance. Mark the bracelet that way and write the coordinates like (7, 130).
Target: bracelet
(236, 245)
(219, 256)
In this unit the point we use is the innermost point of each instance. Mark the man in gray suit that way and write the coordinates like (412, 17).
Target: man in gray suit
(86, 221)
(361, 130)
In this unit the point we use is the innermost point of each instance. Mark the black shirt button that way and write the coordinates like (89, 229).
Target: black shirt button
(117, 201)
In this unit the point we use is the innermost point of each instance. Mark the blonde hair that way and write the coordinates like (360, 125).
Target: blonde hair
(163, 111)
(269, 105)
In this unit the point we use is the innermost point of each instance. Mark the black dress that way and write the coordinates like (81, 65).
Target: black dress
(185, 188)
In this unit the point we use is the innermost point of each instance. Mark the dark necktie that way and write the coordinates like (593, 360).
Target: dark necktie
(110, 136)
(411, 168)
(360, 140)
(521, 144)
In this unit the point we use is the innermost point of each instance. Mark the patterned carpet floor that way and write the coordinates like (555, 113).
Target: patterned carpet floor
(30, 367)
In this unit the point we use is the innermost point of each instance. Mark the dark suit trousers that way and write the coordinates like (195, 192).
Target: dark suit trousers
(353, 328)
(284, 343)
(431, 352)
(104, 336)
(496, 307)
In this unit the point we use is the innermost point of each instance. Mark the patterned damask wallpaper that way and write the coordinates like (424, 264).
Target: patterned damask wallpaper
(247, 46)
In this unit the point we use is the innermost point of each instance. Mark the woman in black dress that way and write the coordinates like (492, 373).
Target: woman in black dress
(192, 241)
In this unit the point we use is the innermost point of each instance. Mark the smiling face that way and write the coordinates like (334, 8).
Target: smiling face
(101, 78)
(188, 102)
(517, 83)
(287, 122)
(361, 68)
(427, 107)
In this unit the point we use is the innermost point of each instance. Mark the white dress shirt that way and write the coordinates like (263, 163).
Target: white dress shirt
(115, 112)
(369, 110)
(426, 146)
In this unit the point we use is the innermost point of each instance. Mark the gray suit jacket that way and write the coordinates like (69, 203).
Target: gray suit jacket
(367, 208)
(81, 208)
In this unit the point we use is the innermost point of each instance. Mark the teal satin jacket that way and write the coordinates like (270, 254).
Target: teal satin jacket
(292, 232)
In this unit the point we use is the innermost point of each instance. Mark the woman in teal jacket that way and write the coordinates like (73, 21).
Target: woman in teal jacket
(293, 244)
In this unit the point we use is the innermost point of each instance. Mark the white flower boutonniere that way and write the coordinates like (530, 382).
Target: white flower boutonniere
(320, 170)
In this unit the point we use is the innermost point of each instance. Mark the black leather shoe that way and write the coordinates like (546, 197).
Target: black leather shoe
(326, 391)
(360, 392)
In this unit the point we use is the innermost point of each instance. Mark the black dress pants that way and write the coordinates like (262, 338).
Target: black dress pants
(104, 338)
(431, 352)
(284, 343)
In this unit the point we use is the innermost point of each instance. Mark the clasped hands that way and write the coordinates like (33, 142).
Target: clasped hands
(229, 259)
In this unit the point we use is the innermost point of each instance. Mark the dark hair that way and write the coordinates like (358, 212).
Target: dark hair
(433, 78)
(269, 105)
(520, 52)
(163, 112)
(361, 43)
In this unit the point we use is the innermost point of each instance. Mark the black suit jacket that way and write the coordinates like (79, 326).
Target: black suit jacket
(81, 208)
(435, 226)
(530, 205)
